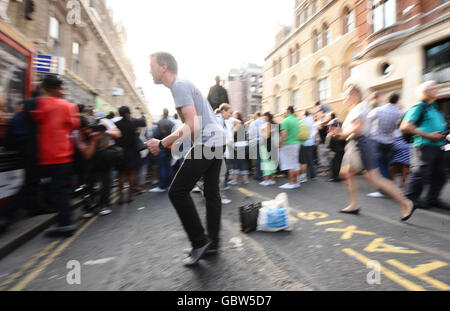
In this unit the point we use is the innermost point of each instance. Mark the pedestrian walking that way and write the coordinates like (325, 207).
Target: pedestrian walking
(401, 159)
(270, 136)
(165, 172)
(290, 148)
(307, 150)
(385, 119)
(359, 155)
(132, 158)
(55, 120)
(428, 126)
(203, 160)
(254, 143)
(240, 151)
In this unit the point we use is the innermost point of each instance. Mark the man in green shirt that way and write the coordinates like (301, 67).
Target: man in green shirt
(427, 155)
(290, 148)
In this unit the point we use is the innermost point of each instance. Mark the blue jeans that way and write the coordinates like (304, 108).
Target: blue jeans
(384, 158)
(165, 171)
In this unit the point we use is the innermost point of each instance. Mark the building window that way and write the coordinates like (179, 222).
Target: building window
(297, 54)
(253, 79)
(326, 35)
(384, 14)
(295, 98)
(349, 21)
(276, 106)
(385, 69)
(353, 72)
(314, 7)
(317, 41)
(54, 28)
(324, 89)
(437, 56)
(260, 90)
(75, 57)
(291, 58)
(253, 89)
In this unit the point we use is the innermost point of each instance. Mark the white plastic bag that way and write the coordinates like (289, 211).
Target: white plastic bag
(274, 216)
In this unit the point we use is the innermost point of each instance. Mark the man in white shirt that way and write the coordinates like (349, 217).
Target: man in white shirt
(254, 140)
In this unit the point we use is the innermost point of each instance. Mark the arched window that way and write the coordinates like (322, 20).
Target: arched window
(326, 35)
(349, 20)
(291, 58)
(317, 41)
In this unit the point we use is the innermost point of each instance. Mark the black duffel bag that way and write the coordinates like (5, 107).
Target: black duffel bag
(249, 217)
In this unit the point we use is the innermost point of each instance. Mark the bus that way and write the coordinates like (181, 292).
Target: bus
(16, 83)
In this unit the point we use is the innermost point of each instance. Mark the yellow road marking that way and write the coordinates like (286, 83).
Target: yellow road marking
(28, 265)
(349, 232)
(388, 273)
(421, 272)
(30, 277)
(324, 223)
(378, 246)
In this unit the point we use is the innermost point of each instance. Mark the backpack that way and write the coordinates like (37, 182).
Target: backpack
(303, 133)
(408, 137)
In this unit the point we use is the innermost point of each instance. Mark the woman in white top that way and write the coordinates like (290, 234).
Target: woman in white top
(360, 155)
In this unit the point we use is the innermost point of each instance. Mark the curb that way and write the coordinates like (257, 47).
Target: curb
(25, 230)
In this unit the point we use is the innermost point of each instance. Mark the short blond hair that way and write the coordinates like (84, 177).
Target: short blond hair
(353, 86)
(224, 107)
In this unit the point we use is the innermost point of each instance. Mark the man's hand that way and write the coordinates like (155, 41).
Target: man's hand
(435, 137)
(95, 136)
(153, 146)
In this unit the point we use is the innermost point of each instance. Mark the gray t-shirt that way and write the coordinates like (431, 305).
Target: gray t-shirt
(186, 94)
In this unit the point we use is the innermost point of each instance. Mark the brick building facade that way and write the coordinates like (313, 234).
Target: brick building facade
(245, 89)
(402, 44)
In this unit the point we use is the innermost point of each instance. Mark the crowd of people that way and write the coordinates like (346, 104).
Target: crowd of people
(70, 150)
(75, 148)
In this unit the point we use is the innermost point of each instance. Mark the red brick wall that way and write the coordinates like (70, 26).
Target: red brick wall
(420, 6)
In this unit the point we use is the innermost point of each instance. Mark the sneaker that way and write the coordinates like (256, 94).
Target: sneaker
(264, 184)
(226, 201)
(290, 187)
(302, 180)
(233, 183)
(272, 182)
(227, 188)
(376, 195)
(87, 215)
(105, 211)
(157, 190)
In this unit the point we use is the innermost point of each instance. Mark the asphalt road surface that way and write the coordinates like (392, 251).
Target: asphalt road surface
(139, 247)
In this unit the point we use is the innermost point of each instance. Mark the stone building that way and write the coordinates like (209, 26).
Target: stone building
(402, 44)
(245, 89)
(97, 72)
(312, 59)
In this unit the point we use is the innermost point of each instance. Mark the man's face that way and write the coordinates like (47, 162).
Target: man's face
(156, 71)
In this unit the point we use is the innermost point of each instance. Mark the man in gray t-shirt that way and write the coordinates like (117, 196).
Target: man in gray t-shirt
(204, 159)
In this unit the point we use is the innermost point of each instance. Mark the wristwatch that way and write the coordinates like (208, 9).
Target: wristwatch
(161, 146)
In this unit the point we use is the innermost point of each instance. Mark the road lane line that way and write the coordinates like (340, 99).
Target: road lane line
(31, 276)
(28, 265)
(388, 273)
